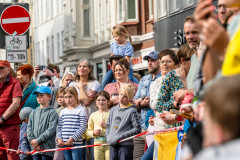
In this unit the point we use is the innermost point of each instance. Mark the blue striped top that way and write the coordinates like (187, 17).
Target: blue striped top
(72, 124)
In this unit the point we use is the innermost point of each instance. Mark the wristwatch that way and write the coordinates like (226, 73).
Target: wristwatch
(2, 118)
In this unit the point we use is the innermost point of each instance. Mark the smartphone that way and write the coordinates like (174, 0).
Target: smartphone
(185, 115)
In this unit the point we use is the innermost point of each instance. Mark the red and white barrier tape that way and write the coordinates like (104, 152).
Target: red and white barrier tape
(165, 130)
(96, 145)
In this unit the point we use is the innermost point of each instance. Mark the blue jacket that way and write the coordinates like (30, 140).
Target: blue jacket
(32, 99)
(24, 144)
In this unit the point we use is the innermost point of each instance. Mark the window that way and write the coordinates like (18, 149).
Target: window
(36, 53)
(42, 10)
(39, 54)
(131, 9)
(58, 46)
(42, 53)
(52, 54)
(62, 42)
(51, 8)
(48, 49)
(57, 7)
(85, 1)
(174, 5)
(99, 72)
(161, 8)
(187, 3)
(35, 12)
(46, 9)
(150, 3)
(120, 9)
(86, 18)
(86, 22)
(60, 6)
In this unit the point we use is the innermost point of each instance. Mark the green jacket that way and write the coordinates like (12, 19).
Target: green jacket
(42, 127)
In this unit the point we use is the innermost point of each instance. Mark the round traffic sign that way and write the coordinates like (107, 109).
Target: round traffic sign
(15, 20)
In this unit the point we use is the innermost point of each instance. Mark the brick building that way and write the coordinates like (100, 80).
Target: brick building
(88, 33)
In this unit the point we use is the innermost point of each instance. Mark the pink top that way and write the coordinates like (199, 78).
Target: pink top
(114, 88)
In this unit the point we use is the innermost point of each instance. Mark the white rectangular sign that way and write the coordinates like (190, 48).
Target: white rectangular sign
(16, 43)
(16, 57)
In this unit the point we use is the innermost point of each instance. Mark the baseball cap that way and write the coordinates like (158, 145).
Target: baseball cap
(42, 89)
(4, 63)
(153, 55)
(25, 112)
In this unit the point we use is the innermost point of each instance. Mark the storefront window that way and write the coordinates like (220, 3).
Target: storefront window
(174, 5)
(187, 3)
(161, 8)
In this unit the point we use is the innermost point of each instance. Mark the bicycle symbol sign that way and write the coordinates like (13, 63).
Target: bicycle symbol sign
(15, 40)
(16, 43)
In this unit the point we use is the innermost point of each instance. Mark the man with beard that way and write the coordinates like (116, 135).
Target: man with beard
(142, 98)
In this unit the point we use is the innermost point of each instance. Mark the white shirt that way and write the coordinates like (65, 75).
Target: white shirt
(91, 85)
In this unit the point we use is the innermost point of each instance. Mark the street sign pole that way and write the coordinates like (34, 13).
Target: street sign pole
(15, 21)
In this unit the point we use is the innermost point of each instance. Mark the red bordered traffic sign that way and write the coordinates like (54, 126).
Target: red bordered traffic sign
(15, 20)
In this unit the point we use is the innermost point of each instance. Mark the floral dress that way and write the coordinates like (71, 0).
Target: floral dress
(170, 84)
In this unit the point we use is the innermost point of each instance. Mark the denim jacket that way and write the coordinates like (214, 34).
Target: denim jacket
(142, 92)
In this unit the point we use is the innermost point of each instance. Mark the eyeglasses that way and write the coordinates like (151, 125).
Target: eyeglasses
(167, 61)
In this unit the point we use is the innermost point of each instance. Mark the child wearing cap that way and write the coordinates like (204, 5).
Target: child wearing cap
(122, 123)
(41, 131)
(24, 144)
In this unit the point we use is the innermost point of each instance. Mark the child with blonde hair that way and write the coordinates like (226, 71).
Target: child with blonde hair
(122, 47)
(72, 125)
(122, 123)
(97, 126)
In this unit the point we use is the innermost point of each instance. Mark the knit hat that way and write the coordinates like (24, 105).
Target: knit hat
(25, 112)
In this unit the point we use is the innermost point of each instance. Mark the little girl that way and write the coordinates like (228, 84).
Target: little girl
(120, 47)
(72, 125)
(97, 126)
(61, 101)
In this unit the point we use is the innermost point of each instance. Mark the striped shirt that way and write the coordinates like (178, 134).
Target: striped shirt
(72, 124)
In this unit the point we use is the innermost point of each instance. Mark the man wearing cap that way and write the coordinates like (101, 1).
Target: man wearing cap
(10, 97)
(142, 97)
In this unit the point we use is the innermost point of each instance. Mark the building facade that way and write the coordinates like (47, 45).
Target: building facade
(168, 22)
(88, 28)
(48, 31)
